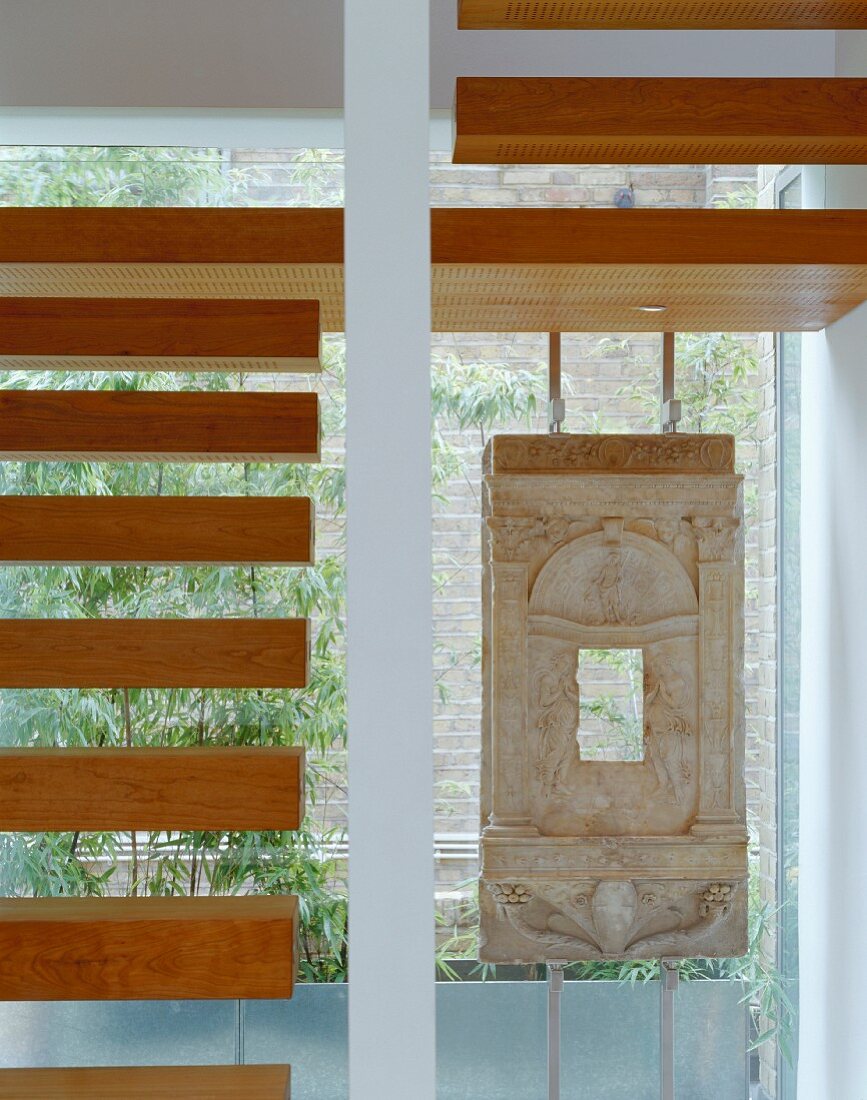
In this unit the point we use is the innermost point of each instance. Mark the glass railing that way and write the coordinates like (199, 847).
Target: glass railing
(491, 1038)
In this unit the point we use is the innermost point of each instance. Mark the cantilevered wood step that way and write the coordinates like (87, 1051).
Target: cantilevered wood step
(192, 235)
(148, 948)
(189, 426)
(497, 270)
(156, 530)
(564, 120)
(128, 789)
(156, 653)
(662, 14)
(159, 334)
(147, 1083)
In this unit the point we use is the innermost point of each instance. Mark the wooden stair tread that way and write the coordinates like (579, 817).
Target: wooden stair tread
(147, 1083)
(186, 426)
(494, 270)
(662, 14)
(156, 653)
(147, 948)
(156, 530)
(660, 120)
(152, 333)
(102, 789)
(183, 235)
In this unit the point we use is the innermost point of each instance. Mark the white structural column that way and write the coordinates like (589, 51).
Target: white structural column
(833, 806)
(389, 612)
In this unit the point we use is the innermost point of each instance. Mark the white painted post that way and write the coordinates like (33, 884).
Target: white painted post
(389, 608)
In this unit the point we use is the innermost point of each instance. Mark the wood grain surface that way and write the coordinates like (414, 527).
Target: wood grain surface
(156, 653)
(147, 1083)
(160, 948)
(482, 237)
(519, 270)
(667, 120)
(114, 331)
(140, 235)
(156, 530)
(125, 789)
(141, 425)
(662, 14)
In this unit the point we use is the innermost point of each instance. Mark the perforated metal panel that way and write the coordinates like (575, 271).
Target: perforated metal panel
(157, 363)
(509, 297)
(324, 282)
(710, 149)
(605, 298)
(584, 14)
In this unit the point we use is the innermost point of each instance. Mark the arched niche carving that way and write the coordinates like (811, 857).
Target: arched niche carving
(595, 580)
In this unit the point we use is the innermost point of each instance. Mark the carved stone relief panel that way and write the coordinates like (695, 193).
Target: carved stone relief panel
(606, 542)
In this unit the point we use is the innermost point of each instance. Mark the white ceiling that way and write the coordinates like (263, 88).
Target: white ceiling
(160, 54)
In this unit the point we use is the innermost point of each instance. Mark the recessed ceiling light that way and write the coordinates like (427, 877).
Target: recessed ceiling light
(651, 309)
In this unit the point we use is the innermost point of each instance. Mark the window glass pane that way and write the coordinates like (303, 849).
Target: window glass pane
(790, 670)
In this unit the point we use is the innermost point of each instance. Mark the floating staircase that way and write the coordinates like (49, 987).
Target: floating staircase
(160, 948)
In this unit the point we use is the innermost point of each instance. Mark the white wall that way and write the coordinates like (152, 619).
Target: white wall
(288, 53)
(171, 53)
(833, 834)
(833, 801)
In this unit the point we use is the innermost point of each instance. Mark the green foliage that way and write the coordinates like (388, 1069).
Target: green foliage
(95, 176)
(742, 198)
(620, 717)
(482, 395)
(713, 381)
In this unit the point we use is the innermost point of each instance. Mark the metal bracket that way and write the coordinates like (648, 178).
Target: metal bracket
(556, 980)
(669, 980)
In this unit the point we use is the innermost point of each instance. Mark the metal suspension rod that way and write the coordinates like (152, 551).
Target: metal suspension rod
(669, 408)
(556, 404)
(555, 995)
(669, 979)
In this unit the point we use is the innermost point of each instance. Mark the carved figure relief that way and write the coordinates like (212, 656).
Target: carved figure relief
(559, 711)
(605, 542)
(668, 728)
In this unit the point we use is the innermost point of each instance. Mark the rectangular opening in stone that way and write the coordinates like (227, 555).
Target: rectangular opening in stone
(611, 683)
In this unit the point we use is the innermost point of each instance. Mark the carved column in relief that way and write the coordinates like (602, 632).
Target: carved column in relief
(510, 813)
(719, 724)
(596, 542)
